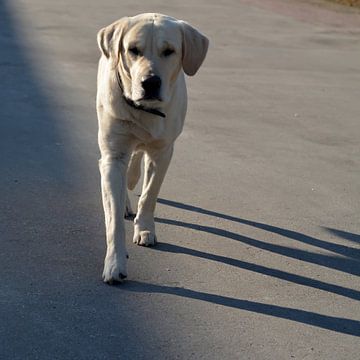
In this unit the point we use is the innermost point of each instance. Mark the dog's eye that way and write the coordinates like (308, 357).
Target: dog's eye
(167, 52)
(134, 51)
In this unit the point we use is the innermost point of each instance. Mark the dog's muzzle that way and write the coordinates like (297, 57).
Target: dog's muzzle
(151, 85)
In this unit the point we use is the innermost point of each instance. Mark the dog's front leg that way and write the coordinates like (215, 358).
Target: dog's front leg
(156, 164)
(113, 187)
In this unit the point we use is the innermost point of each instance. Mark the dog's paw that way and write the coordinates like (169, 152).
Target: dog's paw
(144, 238)
(144, 230)
(115, 268)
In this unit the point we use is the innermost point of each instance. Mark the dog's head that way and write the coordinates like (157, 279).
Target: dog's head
(149, 51)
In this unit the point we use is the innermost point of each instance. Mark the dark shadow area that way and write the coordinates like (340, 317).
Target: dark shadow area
(340, 325)
(336, 248)
(349, 266)
(31, 147)
(53, 302)
(279, 274)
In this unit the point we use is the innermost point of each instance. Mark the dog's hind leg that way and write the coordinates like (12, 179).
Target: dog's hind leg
(134, 169)
(133, 176)
(129, 213)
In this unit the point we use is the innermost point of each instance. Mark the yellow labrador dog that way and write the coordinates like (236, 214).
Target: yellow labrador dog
(141, 106)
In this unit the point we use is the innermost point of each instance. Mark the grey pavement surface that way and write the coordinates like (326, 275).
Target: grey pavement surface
(258, 217)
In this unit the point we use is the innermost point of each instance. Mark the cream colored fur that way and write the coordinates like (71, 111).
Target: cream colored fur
(126, 135)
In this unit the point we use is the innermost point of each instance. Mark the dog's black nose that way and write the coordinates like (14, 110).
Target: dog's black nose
(151, 85)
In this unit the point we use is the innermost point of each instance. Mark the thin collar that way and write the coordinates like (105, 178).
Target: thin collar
(131, 102)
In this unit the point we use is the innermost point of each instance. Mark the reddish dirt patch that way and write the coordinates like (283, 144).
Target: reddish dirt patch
(348, 2)
(319, 12)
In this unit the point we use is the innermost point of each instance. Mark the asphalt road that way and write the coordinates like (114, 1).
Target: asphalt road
(258, 217)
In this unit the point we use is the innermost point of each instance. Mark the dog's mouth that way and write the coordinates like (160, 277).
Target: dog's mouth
(147, 106)
(149, 100)
(151, 105)
(147, 103)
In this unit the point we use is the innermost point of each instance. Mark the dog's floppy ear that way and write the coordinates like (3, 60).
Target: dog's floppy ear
(109, 38)
(194, 48)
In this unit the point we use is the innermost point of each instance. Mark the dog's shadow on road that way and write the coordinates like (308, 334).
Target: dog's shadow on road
(346, 259)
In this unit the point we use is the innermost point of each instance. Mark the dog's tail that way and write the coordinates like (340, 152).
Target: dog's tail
(134, 169)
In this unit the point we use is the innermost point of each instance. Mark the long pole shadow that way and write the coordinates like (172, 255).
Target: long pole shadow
(279, 274)
(355, 238)
(337, 324)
